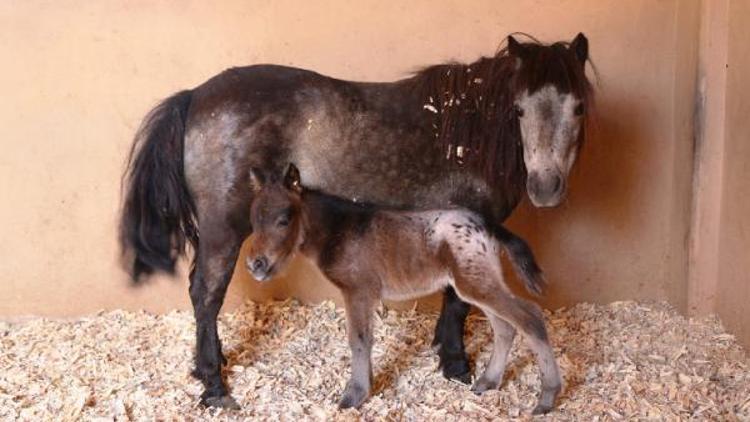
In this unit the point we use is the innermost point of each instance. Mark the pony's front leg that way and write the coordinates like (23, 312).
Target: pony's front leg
(449, 337)
(359, 305)
(216, 257)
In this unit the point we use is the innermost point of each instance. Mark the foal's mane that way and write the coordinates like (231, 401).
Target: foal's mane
(475, 122)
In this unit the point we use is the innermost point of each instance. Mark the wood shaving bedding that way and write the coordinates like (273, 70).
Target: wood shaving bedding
(289, 361)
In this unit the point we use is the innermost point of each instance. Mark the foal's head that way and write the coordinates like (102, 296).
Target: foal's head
(552, 95)
(276, 218)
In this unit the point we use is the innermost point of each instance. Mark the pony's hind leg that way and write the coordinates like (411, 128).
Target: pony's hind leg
(490, 295)
(359, 304)
(449, 337)
(503, 334)
(216, 256)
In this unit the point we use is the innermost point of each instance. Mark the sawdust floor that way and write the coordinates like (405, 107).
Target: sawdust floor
(290, 362)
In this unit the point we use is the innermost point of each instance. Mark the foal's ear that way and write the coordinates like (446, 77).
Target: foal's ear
(256, 179)
(292, 179)
(580, 47)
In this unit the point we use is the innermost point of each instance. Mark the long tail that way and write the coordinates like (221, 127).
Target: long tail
(158, 216)
(522, 259)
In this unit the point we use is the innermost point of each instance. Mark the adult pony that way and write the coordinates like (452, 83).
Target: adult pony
(470, 135)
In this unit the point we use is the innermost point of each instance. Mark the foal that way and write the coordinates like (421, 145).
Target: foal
(371, 253)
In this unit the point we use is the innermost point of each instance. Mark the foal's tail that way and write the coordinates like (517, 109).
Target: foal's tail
(522, 259)
(158, 216)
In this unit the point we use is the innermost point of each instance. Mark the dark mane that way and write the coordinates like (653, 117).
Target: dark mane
(475, 123)
(338, 205)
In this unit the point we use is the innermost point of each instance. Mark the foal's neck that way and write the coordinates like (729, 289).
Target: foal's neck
(329, 219)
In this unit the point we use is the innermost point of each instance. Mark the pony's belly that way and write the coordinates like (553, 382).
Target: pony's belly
(414, 288)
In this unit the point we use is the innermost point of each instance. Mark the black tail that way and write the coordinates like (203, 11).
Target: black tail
(522, 259)
(158, 216)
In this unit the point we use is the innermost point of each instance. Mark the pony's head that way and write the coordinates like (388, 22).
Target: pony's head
(516, 117)
(552, 97)
(276, 218)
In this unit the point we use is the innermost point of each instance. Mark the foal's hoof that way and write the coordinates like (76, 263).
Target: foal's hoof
(354, 395)
(223, 402)
(483, 384)
(541, 409)
(547, 399)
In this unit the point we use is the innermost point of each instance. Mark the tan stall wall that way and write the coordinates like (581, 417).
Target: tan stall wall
(733, 290)
(77, 77)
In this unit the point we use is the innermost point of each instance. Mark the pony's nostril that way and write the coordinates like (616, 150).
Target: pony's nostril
(533, 183)
(558, 184)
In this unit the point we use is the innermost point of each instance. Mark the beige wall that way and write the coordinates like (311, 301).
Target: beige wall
(733, 290)
(719, 258)
(709, 157)
(78, 77)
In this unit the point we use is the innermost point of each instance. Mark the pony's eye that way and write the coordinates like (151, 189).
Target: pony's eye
(518, 110)
(579, 110)
(282, 222)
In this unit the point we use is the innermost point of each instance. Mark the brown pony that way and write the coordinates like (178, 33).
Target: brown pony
(462, 135)
(371, 253)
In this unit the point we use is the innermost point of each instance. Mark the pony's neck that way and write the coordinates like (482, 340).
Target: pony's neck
(473, 117)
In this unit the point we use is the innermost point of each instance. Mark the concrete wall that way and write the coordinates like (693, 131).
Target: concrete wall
(79, 76)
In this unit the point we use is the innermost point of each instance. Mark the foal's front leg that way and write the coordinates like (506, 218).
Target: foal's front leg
(359, 305)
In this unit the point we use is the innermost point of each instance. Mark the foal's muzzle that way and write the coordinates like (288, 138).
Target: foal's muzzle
(546, 189)
(259, 267)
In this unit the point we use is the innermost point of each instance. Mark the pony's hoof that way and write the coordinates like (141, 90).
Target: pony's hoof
(464, 378)
(354, 395)
(457, 369)
(223, 402)
(482, 384)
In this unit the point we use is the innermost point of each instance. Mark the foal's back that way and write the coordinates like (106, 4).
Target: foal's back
(408, 254)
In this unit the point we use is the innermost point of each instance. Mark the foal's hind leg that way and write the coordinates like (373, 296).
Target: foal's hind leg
(216, 257)
(492, 376)
(449, 337)
(493, 298)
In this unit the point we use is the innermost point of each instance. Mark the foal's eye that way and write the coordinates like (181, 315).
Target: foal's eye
(579, 110)
(518, 110)
(282, 222)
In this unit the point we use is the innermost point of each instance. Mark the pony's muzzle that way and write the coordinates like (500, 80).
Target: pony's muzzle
(546, 190)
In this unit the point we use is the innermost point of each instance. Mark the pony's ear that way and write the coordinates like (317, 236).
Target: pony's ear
(292, 179)
(515, 48)
(580, 47)
(256, 179)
